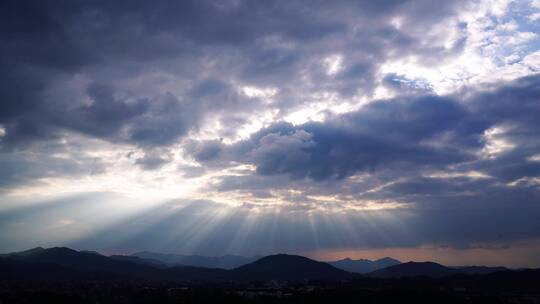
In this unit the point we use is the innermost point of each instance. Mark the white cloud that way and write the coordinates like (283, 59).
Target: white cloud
(495, 49)
(264, 93)
(333, 64)
(495, 143)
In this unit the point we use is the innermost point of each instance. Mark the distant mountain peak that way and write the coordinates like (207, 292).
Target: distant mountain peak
(363, 265)
(31, 251)
(61, 248)
(285, 256)
(387, 259)
(39, 248)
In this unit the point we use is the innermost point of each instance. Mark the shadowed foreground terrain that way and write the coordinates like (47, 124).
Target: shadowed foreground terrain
(63, 275)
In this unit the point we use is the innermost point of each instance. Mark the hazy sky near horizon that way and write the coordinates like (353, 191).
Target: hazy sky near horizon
(326, 128)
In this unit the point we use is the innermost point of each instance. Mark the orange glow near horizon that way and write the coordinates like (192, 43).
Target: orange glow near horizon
(515, 255)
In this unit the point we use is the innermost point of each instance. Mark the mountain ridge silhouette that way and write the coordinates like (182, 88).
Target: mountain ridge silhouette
(363, 265)
(65, 263)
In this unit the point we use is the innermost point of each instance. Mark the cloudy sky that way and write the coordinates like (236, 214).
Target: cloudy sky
(324, 128)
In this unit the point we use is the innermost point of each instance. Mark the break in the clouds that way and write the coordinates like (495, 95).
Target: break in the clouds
(264, 126)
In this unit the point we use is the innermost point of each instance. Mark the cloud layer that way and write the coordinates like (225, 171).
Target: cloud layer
(354, 124)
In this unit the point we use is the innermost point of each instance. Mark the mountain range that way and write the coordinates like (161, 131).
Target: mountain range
(68, 264)
(234, 261)
(363, 265)
(60, 263)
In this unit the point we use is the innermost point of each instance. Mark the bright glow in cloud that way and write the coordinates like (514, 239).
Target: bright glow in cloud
(469, 174)
(495, 143)
(264, 93)
(534, 158)
(333, 64)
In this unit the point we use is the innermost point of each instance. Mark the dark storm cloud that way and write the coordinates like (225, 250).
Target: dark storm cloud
(108, 45)
(152, 161)
(204, 151)
(106, 114)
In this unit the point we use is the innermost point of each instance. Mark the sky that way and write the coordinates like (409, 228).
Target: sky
(330, 129)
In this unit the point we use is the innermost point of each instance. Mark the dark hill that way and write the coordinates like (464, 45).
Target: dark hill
(431, 269)
(66, 263)
(478, 269)
(288, 267)
(80, 261)
(23, 253)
